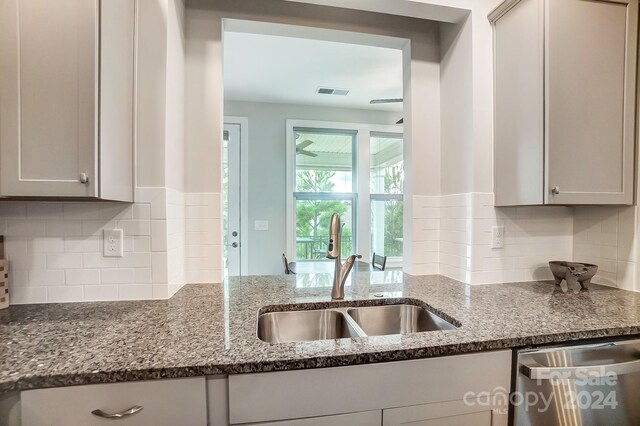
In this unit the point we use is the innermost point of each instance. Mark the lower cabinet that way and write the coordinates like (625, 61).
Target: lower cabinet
(366, 418)
(451, 413)
(459, 390)
(162, 402)
(470, 389)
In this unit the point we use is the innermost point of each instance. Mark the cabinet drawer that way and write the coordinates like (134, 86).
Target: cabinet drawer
(366, 418)
(163, 402)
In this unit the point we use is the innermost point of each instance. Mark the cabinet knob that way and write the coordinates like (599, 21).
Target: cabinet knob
(84, 178)
(555, 190)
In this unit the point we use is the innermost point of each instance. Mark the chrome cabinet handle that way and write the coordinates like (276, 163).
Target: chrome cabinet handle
(555, 190)
(126, 413)
(84, 178)
(536, 371)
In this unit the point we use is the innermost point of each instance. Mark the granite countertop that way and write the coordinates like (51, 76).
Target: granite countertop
(211, 328)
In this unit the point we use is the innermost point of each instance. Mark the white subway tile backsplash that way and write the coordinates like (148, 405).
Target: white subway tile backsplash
(46, 277)
(101, 292)
(58, 246)
(25, 228)
(135, 260)
(65, 294)
(117, 276)
(605, 235)
(97, 260)
(82, 244)
(20, 295)
(44, 210)
(142, 276)
(159, 235)
(10, 210)
(135, 227)
(64, 260)
(136, 292)
(63, 228)
(45, 245)
(159, 267)
(141, 211)
(83, 276)
(27, 262)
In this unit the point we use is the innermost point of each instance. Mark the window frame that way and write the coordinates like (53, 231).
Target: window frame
(361, 196)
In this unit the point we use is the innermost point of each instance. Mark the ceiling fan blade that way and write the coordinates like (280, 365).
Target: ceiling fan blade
(307, 153)
(304, 144)
(385, 101)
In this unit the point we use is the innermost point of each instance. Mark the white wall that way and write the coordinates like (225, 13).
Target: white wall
(456, 108)
(174, 144)
(267, 169)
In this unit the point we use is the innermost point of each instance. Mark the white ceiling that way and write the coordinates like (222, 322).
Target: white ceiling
(269, 68)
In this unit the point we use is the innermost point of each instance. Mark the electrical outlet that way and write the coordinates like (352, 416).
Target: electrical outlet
(497, 237)
(112, 240)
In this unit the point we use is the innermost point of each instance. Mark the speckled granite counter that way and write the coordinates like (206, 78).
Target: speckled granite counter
(210, 329)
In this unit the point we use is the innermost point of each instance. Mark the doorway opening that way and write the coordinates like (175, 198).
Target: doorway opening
(326, 125)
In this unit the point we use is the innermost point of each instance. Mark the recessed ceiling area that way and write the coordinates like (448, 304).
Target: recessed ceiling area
(277, 69)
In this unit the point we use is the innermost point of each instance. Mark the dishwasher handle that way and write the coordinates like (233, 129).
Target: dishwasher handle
(536, 371)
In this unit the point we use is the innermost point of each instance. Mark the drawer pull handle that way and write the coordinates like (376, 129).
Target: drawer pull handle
(126, 413)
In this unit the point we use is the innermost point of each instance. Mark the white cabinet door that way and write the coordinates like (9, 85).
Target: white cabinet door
(565, 89)
(519, 108)
(163, 402)
(590, 98)
(48, 92)
(66, 98)
(450, 413)
(366, 418)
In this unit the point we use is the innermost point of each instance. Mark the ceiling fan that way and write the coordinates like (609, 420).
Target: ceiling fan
(387, 101)
(300, 148)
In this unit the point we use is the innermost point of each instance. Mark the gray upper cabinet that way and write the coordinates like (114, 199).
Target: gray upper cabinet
(565, 93)
(66, 98)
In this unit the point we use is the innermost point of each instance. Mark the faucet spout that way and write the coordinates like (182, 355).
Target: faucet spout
(341, 271)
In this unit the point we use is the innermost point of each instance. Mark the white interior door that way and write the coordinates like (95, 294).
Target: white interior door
(231, 196)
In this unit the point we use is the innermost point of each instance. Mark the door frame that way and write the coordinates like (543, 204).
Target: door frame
(243, 122)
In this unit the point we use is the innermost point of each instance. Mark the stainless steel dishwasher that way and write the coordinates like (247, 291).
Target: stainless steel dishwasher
(597, 384)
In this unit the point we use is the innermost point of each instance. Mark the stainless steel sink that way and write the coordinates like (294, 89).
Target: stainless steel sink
(347, 322)
(397, 319)
(300, 326)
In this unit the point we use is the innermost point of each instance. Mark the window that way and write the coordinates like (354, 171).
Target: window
(324, 184)
(355, 170)
(386, 186)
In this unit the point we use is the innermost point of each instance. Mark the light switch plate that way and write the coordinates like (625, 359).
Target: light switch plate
(113, 242)
(261, 225)
(497, 237)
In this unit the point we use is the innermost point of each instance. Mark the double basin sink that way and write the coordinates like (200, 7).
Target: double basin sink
(347, 322)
